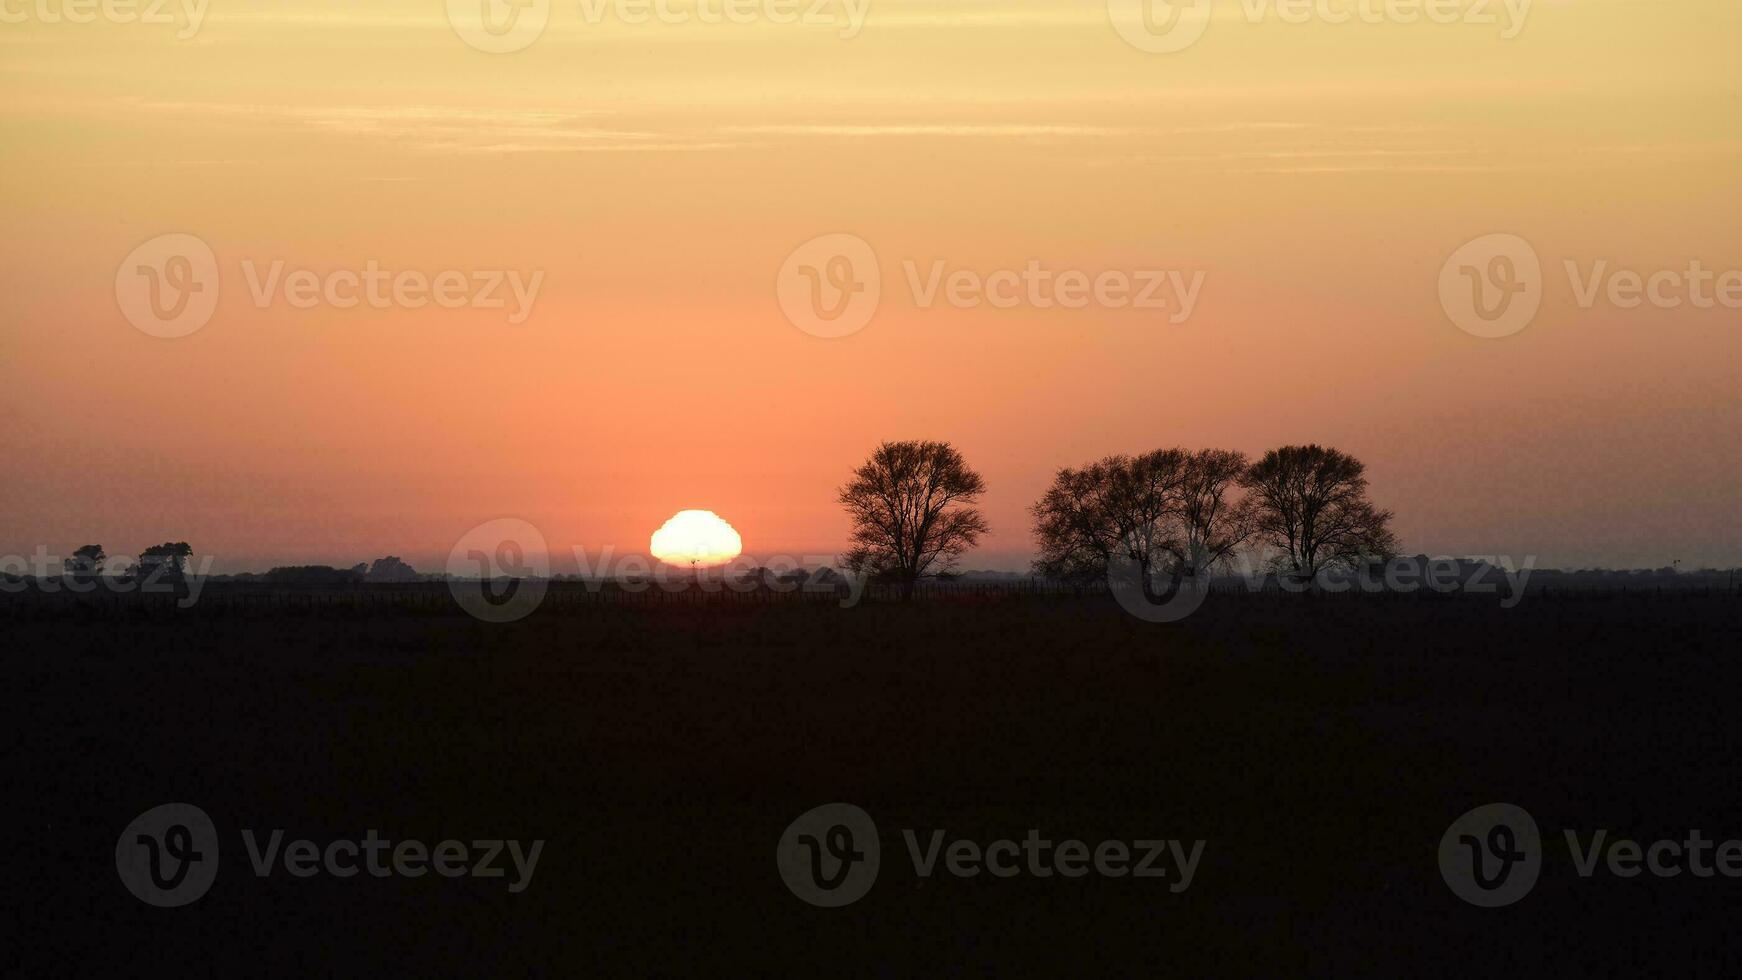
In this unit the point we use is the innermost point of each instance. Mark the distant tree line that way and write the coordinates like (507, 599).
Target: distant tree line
(388, 569)
(169, 559)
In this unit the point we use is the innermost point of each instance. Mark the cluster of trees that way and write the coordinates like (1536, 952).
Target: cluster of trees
(1169, 512)
(170, 558)
(1174, 514)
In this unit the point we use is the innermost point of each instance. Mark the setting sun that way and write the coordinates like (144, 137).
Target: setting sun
(696, 537)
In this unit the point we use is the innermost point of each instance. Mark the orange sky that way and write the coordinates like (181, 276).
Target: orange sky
(658, 175)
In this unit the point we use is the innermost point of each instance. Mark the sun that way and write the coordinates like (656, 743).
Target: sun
(696, 538)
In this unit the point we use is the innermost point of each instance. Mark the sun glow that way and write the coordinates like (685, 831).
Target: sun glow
(696, 538)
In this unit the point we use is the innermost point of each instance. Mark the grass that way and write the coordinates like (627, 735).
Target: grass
(1320, 748)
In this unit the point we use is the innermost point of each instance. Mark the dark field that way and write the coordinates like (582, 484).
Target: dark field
(1320, 747)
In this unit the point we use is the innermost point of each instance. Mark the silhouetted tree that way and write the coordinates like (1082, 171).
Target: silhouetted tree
(1072, 525)
(169, 559)
(911, 507)
(1211, 524)
(1165, 512)
(86, 562)
(1310, 503)
(1144, 499)
(391, 569)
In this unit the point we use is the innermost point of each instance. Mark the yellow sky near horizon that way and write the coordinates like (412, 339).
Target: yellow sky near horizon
(658, 176)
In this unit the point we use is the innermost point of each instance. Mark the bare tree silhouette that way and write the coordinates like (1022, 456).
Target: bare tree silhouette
(1120, 507)
(1167, 513)
(1212, 525)
(1072, 524)
(1142, 501)
(1310, 503)
(911, 504)
(169, 559)
(391, 569)
(86, 562)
